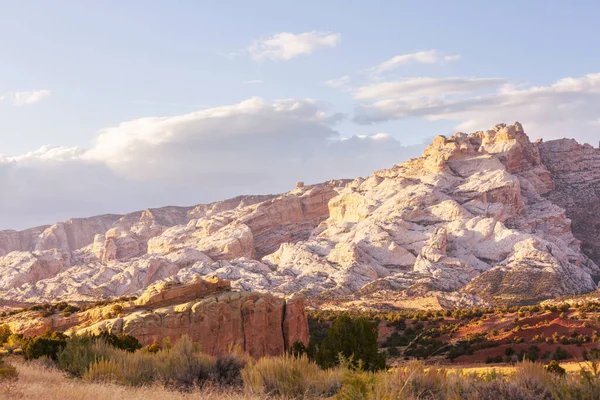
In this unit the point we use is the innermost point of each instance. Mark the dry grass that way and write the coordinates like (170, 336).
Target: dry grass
(291, 377)
(39, 383)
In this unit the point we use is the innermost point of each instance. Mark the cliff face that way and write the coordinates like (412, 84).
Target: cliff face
(575, 170)
(205, 310)
(481, 217)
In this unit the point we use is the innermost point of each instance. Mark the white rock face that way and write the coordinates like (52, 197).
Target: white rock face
(467, 223)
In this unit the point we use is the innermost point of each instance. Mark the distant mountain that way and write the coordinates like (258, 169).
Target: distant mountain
(486, 217)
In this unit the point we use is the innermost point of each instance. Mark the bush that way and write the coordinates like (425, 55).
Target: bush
(298, 349)
(103, 371)
(494, 359)
(7, 371)
(290, 377)
(555, 368)
(393, 351)
(78, 354)
(228, 370)
(152, 348)
(49, 345)
(352, 338)
(5, 332)
(561, 354)
(532, 353)
(121, 341)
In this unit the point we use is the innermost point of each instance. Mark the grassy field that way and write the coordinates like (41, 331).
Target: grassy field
(40, 383)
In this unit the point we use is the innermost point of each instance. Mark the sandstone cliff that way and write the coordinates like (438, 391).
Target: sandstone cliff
(205, 310)
(483, 217)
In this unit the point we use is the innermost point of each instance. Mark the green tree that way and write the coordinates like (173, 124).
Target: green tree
(352, 338)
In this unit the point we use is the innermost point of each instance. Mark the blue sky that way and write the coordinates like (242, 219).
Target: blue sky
(70, 71)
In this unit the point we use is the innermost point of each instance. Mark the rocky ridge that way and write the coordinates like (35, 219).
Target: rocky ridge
(486, 217)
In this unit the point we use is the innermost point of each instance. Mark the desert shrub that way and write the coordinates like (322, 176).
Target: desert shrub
(356, 338)
(393, 351)
(493, 359)
(555, 368)
(518, 339)
(533, 378)
(13, 342)
(152, 348)
(538, 338)
(139, 368)
(561, 354)
(298, 349)
(532, 353)
(228, 369)
(5, 332)
(121, 341)
(290, 377)
(79, 353)
(50, 344)
(103, 371)
(183, 366)
(7, 371)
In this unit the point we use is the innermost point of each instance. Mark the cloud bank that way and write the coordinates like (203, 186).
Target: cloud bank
(567, 108)
(254, 146)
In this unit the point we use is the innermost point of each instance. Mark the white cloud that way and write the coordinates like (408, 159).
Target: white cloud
(253, 82)
(566, 108)
(423, 57)
(27, 97)
(337, 82)
(454, 57)
(425, 87)
(285, 45)
(254, 146)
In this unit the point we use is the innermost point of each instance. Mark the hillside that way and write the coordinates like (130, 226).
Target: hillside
(488, 217)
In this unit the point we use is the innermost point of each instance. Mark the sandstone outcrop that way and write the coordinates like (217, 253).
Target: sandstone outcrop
(205, 310)
(481, 217)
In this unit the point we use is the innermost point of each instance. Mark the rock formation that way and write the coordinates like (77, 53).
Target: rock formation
(486, 217)
(205, 310)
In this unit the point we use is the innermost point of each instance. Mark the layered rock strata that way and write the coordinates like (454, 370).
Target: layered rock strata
(486, 217)
(205, 310)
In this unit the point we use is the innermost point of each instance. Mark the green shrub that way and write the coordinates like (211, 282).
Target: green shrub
(561, 354)
(532, 353)
(121, 341)
(49, 345)
(298, 349)
(79, 353)
(393, 351)
(351, 338)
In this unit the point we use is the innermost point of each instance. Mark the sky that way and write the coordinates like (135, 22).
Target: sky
(116, 106)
